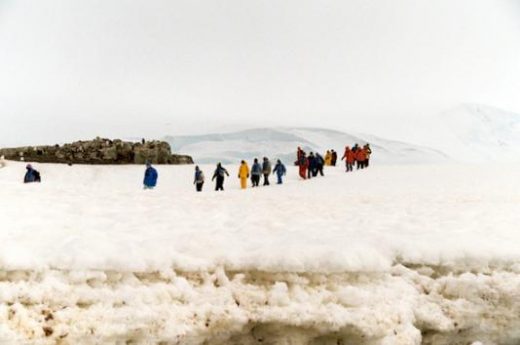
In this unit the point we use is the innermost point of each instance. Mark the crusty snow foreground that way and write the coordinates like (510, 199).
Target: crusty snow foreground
(390, 255)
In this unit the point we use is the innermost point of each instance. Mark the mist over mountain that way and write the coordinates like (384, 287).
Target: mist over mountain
(282, 143)
(472, 133)
(466, 133)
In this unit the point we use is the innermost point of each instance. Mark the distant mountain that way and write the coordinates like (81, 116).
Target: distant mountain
(474, 133)
(282, 143)
(467, 133)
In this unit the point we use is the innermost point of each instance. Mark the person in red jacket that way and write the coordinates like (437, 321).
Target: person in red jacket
(303, 163)
(361, 157)
(299, 154)
(349, 158)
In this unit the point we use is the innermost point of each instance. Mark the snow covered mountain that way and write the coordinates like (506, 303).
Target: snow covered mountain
(282, 143)
(472, 133)
(467, 133)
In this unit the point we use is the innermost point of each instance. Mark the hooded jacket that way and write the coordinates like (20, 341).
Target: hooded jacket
(279, 169)
(328, 158)
(349, 156)
(256, 169)
(31, 175)
(266, 167)
(150, 177)
(243, 171)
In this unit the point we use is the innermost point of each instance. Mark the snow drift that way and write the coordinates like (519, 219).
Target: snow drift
(391, 255)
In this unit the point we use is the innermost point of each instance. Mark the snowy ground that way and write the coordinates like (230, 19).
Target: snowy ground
(390, 255)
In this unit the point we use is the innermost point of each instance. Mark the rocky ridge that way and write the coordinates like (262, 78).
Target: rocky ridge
(98, 151)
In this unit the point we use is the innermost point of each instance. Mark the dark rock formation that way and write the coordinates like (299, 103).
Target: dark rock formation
(98, 151)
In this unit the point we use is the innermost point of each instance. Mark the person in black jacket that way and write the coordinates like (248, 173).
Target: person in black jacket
(256, 172)
(312, 166)
(320, 162)
(199, 179)
(334, 158)
(219, 174)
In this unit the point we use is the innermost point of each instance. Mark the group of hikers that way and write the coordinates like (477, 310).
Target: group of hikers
(357, 155)
(310, 166)
(256, 172)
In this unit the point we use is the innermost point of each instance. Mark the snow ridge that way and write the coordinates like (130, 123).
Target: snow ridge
(405, 306)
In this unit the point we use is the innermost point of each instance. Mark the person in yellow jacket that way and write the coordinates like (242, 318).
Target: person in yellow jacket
(328, 158)
(243, 174)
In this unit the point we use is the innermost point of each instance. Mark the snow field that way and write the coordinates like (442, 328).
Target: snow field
(390, 255)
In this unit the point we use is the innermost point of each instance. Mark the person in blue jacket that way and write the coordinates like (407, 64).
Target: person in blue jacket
(31, 175)
(280, 171)
(150, 177)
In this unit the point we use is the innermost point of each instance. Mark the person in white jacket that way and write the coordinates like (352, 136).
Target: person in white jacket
(3, 162)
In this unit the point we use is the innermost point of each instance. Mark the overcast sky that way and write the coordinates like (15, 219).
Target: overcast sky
(76, 69)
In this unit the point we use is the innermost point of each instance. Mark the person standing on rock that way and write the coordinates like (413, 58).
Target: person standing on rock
(150, 176)
(31, 175)
(220, 174)
(256, 172)
(243, 174)
(199, 179)
(266, 170)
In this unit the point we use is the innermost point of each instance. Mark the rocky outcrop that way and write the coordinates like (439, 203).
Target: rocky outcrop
(98, 151)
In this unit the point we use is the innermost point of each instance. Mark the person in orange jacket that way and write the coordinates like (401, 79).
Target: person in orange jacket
(349, 157)
(243, 174)
(361, 157)
(328, 158)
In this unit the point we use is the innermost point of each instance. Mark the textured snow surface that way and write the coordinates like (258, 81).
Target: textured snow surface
(390, 255)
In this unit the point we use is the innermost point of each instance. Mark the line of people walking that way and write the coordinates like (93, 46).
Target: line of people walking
(254, 173)
(310, 166)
